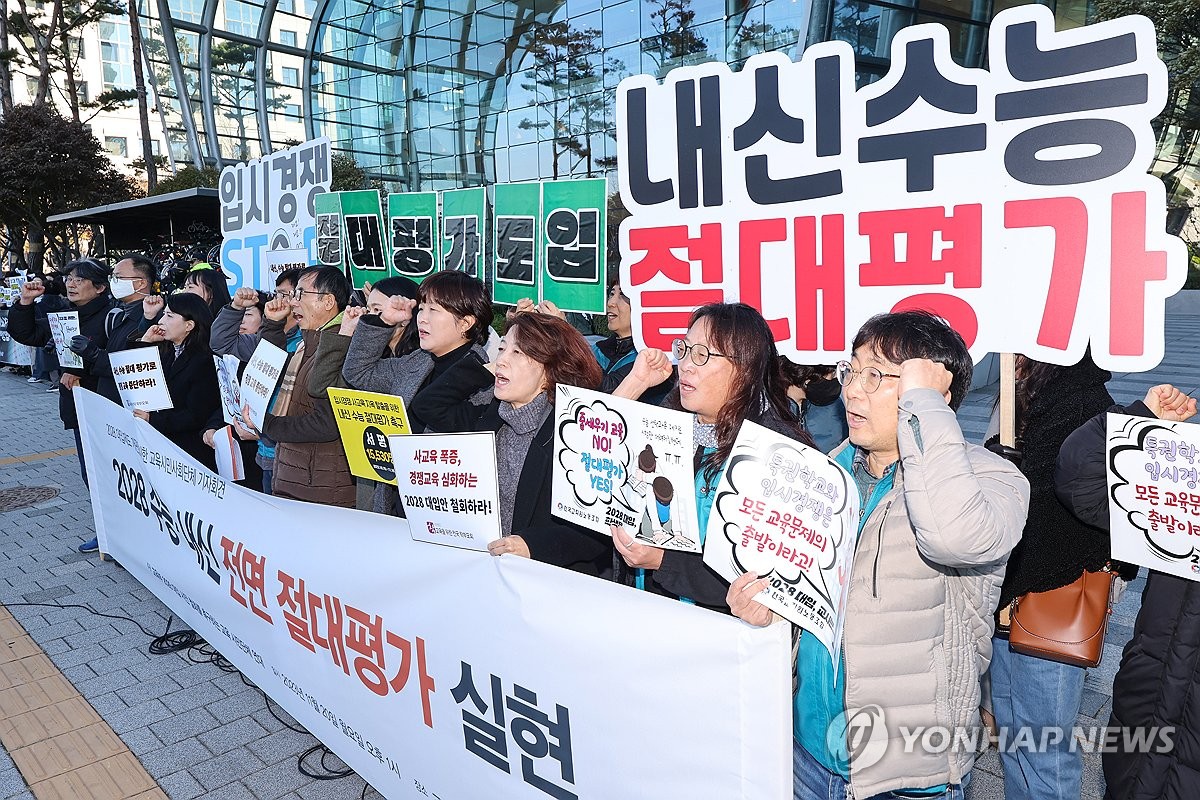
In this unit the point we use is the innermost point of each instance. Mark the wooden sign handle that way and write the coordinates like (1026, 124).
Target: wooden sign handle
(1008, 399)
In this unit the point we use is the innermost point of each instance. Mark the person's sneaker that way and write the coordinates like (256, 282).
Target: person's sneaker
(90, 546)
(33, 379)
(53, 388)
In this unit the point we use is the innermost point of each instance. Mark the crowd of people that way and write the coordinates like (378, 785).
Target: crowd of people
(950, 533)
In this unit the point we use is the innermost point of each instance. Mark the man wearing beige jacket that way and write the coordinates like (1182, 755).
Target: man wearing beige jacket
(939, 518)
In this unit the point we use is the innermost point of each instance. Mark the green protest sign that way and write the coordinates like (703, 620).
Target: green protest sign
(327, 207)
(516, 242)
(362, 220)
(574, 244)
(413, 234)
(462, 230)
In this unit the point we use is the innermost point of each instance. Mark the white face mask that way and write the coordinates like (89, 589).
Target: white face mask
(122, 287)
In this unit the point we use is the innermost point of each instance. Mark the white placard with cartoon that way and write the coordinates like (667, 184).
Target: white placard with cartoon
(621, 462)
(63, 326)
(789, 513)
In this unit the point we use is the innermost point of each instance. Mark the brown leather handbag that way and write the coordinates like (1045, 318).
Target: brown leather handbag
(1066, 624)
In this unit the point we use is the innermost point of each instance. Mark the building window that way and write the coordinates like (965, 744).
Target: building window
(287, 38)
(31, 86)
(286, 6)
(292, 110)
(81, 88)
(117, 145)
(116, 54)
(291, 76)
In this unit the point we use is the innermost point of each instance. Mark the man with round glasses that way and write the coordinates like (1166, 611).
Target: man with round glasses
(938, 520)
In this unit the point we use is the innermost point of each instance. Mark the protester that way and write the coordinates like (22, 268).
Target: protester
(404, 340)
(1155, 688)
(133, 285)
(181, 335)
(939, 518)
(728, 373)
(87, 294)
(210, 285)
(1028, 692)
(818, 398)
(252, 315)
(452, 321)
(537, 353)
(310, 463)
(227, 338)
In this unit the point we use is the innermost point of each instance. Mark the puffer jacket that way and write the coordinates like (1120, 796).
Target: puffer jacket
(925, 582)
(310, 463)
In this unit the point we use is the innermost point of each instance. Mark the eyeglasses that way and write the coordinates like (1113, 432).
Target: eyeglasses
(700, 353)
(869, 379)
(286, 294)
(299, 293)
(74, 279)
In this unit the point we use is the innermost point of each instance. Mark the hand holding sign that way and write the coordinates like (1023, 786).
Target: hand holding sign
(1167, 402)
(510, 545)
(636, 554)
(742, 603)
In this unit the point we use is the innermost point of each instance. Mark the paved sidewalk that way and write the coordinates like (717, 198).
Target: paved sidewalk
(202, 732)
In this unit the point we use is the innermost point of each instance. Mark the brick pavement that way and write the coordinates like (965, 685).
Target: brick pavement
(202, 732)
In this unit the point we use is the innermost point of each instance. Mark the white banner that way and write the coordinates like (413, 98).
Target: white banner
(269, 204)
(259, 379)
(63, 326)
(789, 513)
(1154, 494)
(449, 487)
(437, 671)
(140, 379)
(280, 261)
(231, 390)
(621, 462)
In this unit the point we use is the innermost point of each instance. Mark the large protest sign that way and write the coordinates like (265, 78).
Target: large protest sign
(413, 234)
(259, 379)
(621, 462)
(229, 384)
(270, 204)
(141, 382)
(63, 326)
(1154, 494)
(789, 513)
(365, 420)
(449, 487)
(516, 236)
(1014, 202)
(464, 215)
(365, 637)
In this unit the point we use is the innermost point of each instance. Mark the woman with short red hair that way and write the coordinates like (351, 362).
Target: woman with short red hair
(538, 353)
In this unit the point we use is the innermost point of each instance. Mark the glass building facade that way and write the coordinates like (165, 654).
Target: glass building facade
(439, 94)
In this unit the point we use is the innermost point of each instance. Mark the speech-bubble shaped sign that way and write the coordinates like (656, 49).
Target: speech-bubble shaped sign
(595, 455)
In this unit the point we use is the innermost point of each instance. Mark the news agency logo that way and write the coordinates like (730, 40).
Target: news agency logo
(860, 735)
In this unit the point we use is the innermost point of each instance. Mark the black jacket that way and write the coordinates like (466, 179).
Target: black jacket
(444, 407)
(28, 325)
(122, 324)
(192, 382)
(1158, 683)
(1055, 546)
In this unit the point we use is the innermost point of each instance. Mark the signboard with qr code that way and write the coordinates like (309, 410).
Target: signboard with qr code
(1014, 202)
(449, 487)
(516, 242)
(621, 462)
(789, 513)
(141, 382)
(270, 204)
(413, 234)
(1154, 494)
(464, 216)
(365, 420)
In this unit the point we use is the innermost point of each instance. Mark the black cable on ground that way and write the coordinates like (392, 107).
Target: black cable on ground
(195, 649)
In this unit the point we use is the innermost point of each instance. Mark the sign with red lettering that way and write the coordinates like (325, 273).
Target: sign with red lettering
(1013, 202)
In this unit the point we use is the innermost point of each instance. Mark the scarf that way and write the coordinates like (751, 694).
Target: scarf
(287, 383)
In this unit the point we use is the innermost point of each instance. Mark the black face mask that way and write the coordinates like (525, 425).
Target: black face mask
(822, 391)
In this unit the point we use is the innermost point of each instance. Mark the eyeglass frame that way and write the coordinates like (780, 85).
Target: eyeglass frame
(298, 293)
(689, 351)
(844, 367)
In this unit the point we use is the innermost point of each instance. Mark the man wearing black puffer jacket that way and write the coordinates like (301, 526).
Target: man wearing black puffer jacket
(87, 294)
(1158, 684)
